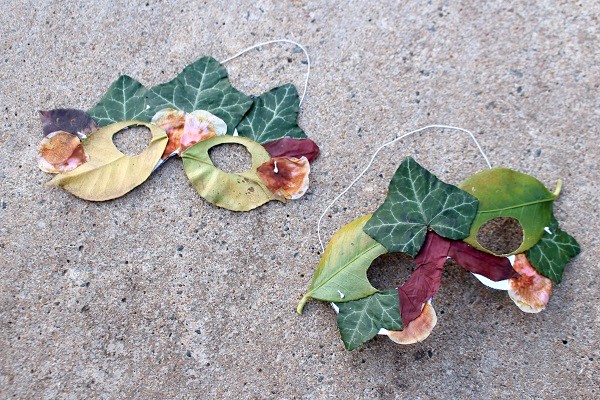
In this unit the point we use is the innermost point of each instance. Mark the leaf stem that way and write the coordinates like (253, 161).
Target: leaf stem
(559, 184)
(302, 303)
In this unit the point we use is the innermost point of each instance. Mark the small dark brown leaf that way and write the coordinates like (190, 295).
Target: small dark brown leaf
(288, 147)
(69, 120)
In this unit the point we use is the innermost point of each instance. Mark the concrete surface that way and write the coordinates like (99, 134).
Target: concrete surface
(161, 295)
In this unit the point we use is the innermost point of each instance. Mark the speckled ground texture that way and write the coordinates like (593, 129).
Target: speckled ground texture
(161, 295)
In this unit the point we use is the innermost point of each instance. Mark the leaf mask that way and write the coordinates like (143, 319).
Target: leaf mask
(429, 219)
(196, 105)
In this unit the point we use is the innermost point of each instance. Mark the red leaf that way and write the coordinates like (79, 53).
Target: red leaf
(288, 147)
(479, 262)
(68, 120)
(425, 280)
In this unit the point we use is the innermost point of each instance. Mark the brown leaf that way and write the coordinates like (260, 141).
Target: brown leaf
(61, 152)
(425, 280)
(69, 120)
(285, 176)
(288, 147)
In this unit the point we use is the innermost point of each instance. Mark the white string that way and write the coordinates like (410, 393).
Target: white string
(279, 41)
(375, 155)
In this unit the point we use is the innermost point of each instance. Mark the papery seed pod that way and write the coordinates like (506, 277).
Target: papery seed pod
(530, 291)
(61, 152)
(201, 125)
(173, 122)
(285, 176)
(417, 330)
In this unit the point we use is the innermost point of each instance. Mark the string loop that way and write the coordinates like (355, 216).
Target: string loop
(278, 41)
(386, 144)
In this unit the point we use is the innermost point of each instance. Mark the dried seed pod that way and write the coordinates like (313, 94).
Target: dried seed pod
(530, 291)
(173, 122)
(417, 330)
(61, 152)
(201, 125)
(184, 130)
(285, 176)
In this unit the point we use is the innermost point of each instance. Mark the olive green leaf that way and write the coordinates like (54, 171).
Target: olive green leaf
(124, 100)
(273, 116)
(342, 272)
(503, 192)
(109, 173)
(237, 192)
(360, 320)
(554, 250)
(417, 201)
(202, 85)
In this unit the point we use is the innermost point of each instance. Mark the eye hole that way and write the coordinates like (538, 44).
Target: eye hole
(132, 141)
(390, 270)
(501, 235)
(230, 157)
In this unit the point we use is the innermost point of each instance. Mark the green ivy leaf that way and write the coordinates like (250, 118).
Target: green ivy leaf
(417, 201)
(124, 100)
(243, 191)
(503, 192)
(342, 272)
(360, 320)
(202, 85)
(554, 250)
(273, 116)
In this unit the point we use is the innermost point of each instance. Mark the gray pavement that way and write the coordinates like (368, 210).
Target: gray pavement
(161, 295)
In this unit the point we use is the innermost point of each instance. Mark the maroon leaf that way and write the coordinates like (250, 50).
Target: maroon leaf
(68, 120)
(288, 147)
(425, 280)
(478, 262)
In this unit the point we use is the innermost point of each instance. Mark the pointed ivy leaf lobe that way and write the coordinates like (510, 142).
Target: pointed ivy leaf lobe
(554, 250)
(360, 320)
(124, 100)
(273, 116)
(202, 85)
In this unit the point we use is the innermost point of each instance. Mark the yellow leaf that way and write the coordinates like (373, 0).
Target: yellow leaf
(109, 173)
(341, 275)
